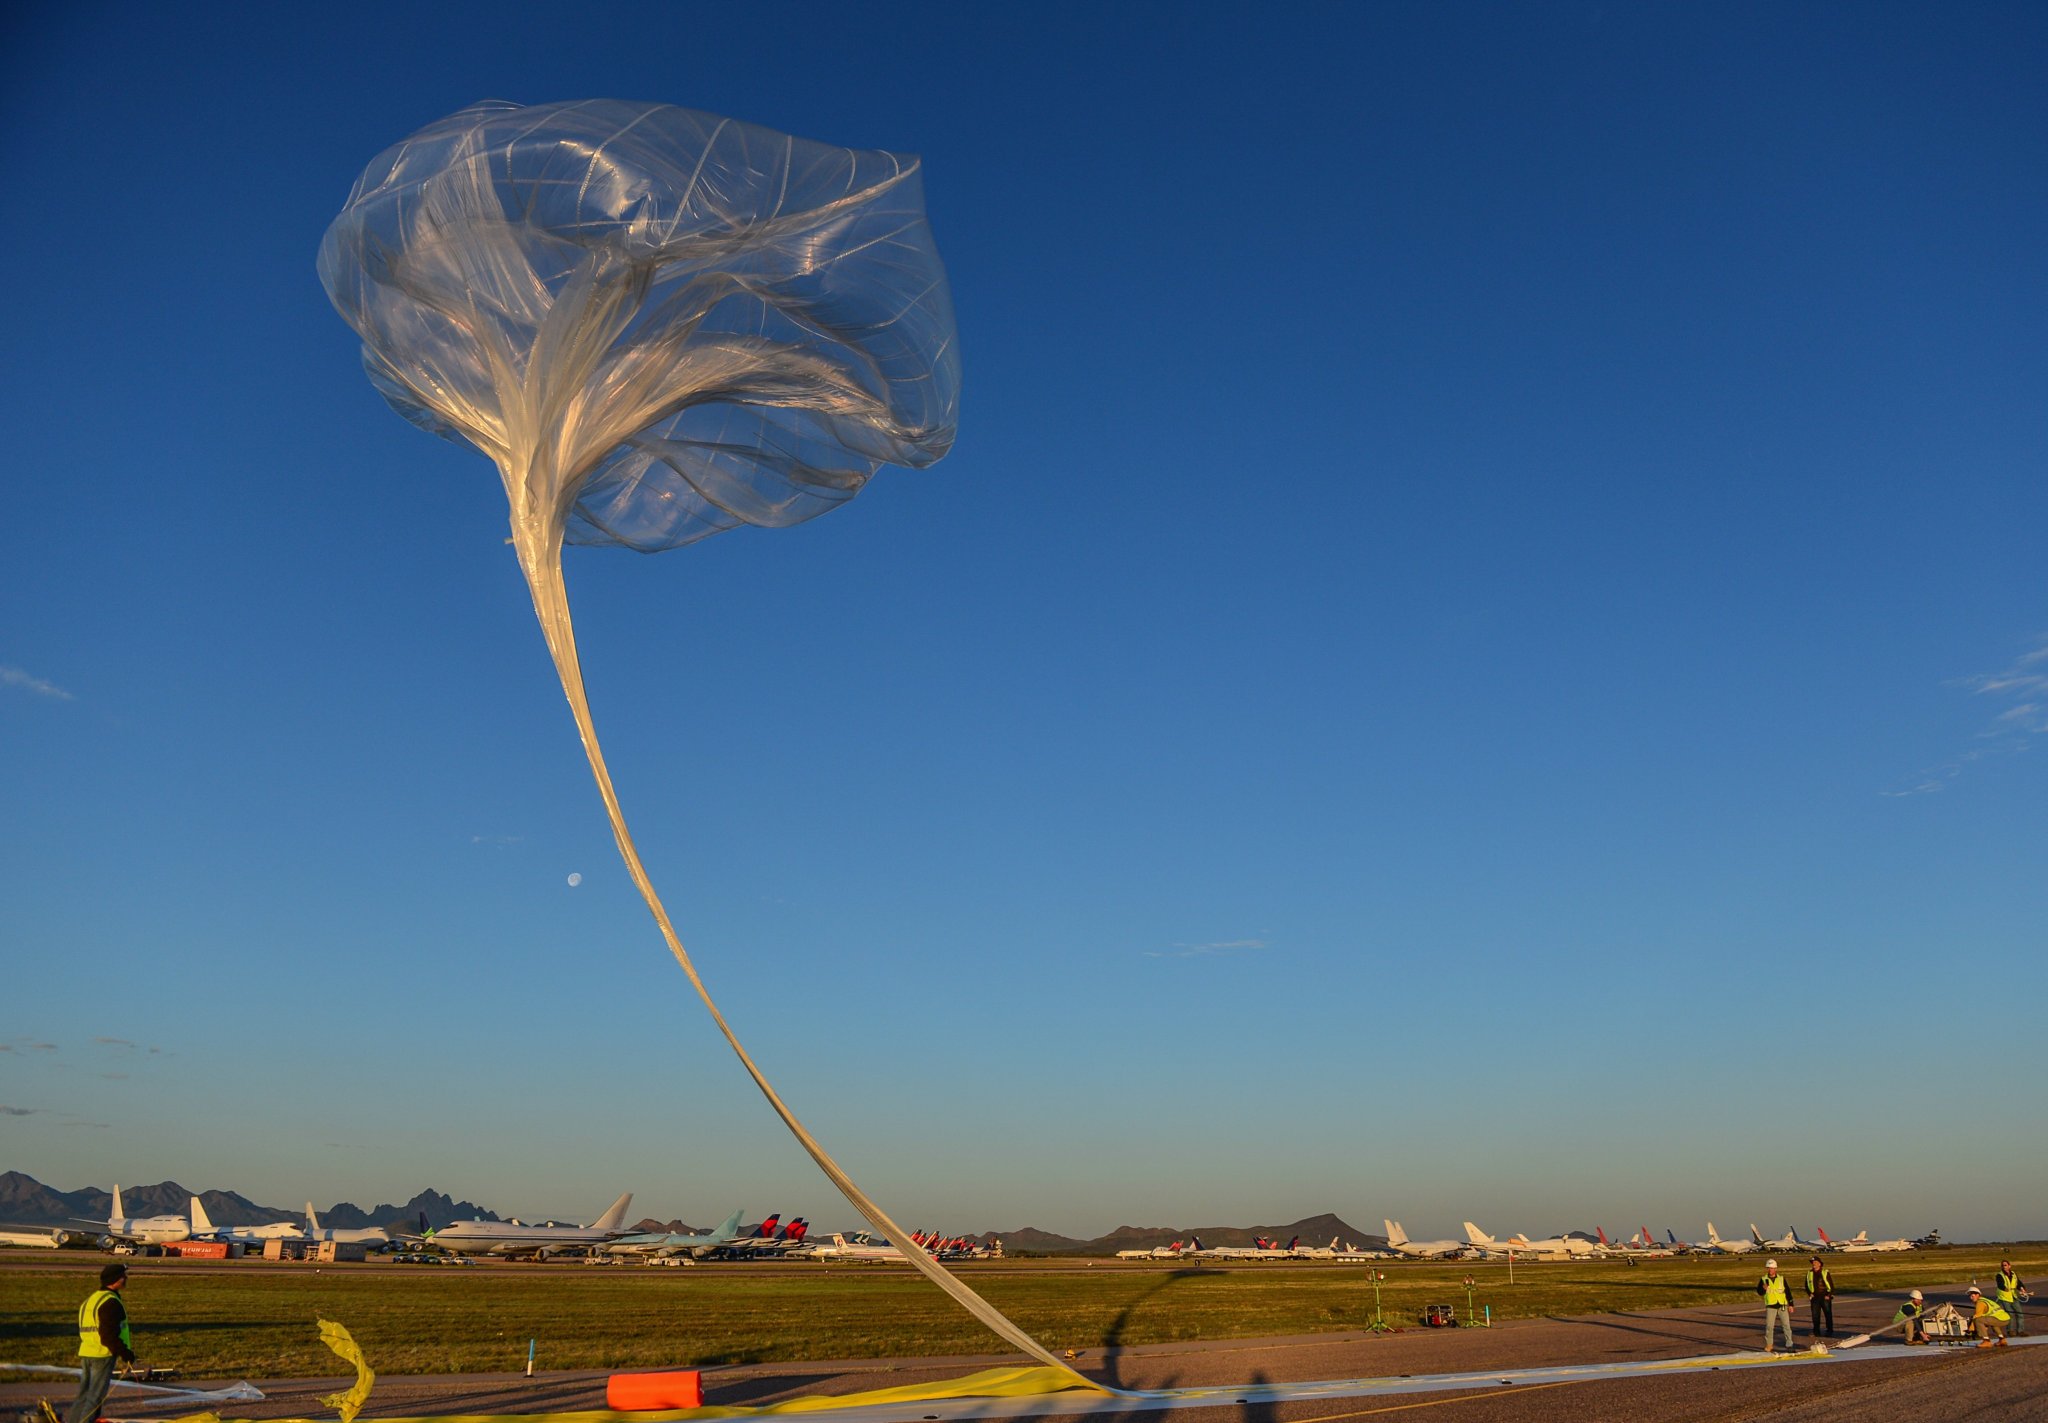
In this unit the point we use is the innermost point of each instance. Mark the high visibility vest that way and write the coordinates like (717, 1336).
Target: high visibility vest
(89, 1346)
(2008, 1286)
(1988, 1305)
(1775, 1292)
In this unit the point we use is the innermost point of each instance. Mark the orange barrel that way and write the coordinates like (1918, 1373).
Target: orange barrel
(654, 1393)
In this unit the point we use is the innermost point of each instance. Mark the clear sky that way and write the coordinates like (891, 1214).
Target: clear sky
(1482, 652)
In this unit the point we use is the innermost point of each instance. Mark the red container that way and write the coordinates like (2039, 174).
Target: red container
(654, 1393)
(199, 1249)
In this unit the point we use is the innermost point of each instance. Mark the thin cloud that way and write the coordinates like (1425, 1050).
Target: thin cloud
(7, 1111)
(2021, 692)
(1215, 948)
(42, 1047)
(115, 1042)
(496, 839)
(94, 1126)
(27, 682)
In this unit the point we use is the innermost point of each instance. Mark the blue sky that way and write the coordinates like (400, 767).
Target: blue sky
(1480, 652)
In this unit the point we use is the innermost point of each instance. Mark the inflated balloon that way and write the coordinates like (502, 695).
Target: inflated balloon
(659, 324)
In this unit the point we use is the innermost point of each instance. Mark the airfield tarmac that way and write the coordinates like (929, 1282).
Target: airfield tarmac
(1945, 1383)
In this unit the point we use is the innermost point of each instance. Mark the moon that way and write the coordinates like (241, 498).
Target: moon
(575, 880)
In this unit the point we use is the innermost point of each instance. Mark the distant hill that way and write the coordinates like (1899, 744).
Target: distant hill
(27, 1201)
(1315, 1230)
(440, 1210)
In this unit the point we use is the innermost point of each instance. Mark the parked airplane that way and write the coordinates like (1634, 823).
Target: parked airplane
(204, 1229)
(1641, 1245)
(1715, 1245)
(1862, 1244)
(1567, 1246)
(373, 1236)
(860, 1246)
(119, 1228)
(1400, 1244)
(35, 1237)
(510, 1237)
(1681, 1247)
(661, 1244)
(1789, 1243)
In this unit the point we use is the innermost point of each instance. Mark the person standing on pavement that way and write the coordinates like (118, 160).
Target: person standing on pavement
(1820, 1299)
(2012, 1291)
(102, 1339)
(1777, 1293)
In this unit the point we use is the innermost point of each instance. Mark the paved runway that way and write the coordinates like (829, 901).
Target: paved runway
(1511, 1372)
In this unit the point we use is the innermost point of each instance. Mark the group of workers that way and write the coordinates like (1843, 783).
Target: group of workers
(1991, 1314)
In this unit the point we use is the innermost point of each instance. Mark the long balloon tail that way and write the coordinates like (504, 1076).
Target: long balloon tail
(543, 567)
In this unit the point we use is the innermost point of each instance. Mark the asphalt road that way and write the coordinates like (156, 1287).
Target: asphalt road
(1944, 1384)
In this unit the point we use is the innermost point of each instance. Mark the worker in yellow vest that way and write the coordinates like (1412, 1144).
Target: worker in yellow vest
(2012, 1292)
(1820, 1299)
(1777, 1293)
(1990, 1318)
(102, 1339)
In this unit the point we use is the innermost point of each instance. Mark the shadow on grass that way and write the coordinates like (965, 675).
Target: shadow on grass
(1113, 1337)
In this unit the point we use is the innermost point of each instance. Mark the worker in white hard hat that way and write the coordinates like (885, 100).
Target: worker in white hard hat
(1777, 1293)
(1990, 1317)
(1909, 1315)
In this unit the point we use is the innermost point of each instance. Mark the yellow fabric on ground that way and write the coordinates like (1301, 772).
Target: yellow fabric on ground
(990, 1383)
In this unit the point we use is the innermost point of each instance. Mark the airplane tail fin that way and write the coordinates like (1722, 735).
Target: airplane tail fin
(199, 1220)
(1671, 1235)
(1476, 1236)
(312, 1219)
(766, 1230)
(1395, 1235)
(118, 1213)
(1860, 1236)
(1822, 1231)
(1713, 1236)
(1755, 1234)
(1601, 1231)
(731, 1227)
(616, 1216)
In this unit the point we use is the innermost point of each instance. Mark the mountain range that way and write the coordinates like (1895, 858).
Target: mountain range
(27, 1201)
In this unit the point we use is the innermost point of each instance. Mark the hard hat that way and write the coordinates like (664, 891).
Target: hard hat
(1975, 1291)
(1916, 1294)
(1770, 1264)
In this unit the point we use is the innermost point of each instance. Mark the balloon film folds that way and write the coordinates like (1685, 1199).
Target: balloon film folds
(659, 323)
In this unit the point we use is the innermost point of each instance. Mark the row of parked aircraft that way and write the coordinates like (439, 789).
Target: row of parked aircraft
(120, 1228)
(1478, 1245)
(608, 1236)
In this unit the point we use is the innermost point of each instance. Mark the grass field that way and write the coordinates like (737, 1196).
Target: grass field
(255, 1320)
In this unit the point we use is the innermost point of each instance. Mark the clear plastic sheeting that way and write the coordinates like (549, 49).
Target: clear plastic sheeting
(659, 324)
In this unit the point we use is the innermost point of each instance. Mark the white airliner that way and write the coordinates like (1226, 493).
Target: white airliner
(1862, 1244)
(204, 1229)
(1567, 1246)
(1715, 1245)
(1642, 1244)
(660, 1244)
(1400, 1244)
(510, 1237)
(861, 1246)
(120, 1228)
(369, 1235)
(1787, 1244)
(35, 1237)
